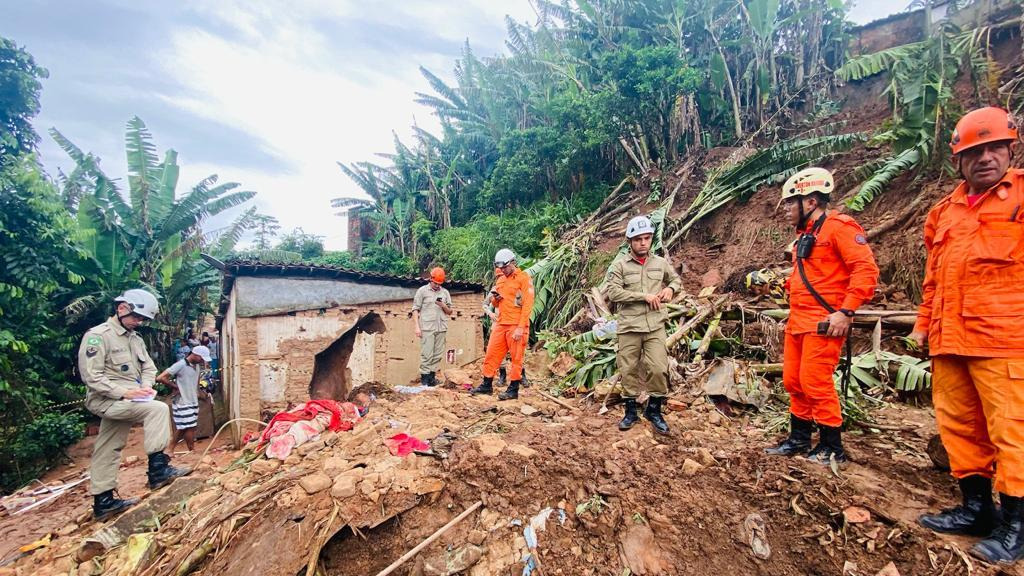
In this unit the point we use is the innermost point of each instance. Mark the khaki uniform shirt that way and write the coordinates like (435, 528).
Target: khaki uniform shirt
(628, 281)
(432, 318)
(112, 361)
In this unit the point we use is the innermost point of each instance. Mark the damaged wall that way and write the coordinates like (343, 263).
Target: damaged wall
(278, 340)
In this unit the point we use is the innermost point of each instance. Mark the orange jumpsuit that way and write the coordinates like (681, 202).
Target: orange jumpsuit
(514, 309)
(842, 269)
(972, 309)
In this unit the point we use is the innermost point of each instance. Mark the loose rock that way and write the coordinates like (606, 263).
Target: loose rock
(344, 486)
(315, 482)
(691, 467)
(262, 466)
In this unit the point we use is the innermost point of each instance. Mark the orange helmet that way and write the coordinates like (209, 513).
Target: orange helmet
(437, 275)
(982, 126)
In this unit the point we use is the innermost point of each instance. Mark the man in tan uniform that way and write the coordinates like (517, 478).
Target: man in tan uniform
(639, 283)
(431, 307)
(119, 374)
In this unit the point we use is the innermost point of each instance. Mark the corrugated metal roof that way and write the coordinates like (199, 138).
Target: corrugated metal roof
(256, 268)
(235, 268)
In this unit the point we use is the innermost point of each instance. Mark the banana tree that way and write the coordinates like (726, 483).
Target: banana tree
(149, 236)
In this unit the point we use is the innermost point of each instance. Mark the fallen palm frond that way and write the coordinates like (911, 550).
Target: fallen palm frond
(890, 169)
(921, 80)
(876, 371)
(771, 165)
(557, 284)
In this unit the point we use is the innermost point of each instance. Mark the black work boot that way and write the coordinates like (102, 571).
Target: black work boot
(977, 516)
(799, 441)
(1006, 544)
(829, 445)
(512, 392)
(433, 379)
(653, 414)
(631, 417)
(523, 381)
(161, 473)
(425, 380)
(106, 504)
(485, 388)
(502, 376)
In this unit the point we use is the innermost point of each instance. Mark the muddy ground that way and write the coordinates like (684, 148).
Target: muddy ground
(672, 505)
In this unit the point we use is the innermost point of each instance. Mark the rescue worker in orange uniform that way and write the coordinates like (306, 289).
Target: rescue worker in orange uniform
(972, 318)
(834, 273)
(513, 298)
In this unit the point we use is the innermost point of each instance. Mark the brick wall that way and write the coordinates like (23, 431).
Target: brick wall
(277, 353)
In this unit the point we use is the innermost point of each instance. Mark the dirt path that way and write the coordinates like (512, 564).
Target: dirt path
(66, 513)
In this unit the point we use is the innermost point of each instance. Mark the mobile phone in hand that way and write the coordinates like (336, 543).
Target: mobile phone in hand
(823, 327)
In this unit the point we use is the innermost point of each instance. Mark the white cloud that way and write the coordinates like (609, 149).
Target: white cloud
(293, 90)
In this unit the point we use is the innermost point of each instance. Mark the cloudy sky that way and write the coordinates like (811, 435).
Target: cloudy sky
(267, 93)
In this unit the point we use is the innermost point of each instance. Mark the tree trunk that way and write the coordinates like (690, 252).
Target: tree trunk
(732, 90)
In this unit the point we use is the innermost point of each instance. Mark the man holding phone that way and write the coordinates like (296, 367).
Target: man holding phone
(640, 283)
(512, 296)
(834, 273)
(431, 308)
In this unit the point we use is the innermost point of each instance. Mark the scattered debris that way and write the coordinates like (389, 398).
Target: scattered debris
(856, 515)
(755, 535)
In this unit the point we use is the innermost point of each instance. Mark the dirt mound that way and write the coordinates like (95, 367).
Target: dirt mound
(705, 499)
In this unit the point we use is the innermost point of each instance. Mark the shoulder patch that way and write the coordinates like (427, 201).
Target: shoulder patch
(90, 351)
(93, 341)
(860, 239)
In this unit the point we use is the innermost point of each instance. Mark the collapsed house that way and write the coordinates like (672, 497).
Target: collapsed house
(293, 332)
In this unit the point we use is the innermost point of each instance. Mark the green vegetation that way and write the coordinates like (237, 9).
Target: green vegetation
(36, 255)
(595, 92)
(593, 112)
(68, 247)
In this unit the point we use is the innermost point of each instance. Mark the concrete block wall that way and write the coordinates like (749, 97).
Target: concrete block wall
(276, 358)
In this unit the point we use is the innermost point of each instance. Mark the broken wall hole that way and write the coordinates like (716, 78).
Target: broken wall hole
(332, 374)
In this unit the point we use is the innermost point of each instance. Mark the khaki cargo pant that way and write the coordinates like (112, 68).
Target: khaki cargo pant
(115, 424)
(431, 350)
(643, 350)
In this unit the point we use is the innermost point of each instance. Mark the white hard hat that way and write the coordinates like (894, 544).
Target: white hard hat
(639, 225)
(503, 257)
(142, 302)
(203, 352)
(807, 182)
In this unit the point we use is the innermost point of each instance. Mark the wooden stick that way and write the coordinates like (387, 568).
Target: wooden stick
(678, 335)
(405, 557)
(862, 318)
(559, 401)
(60, 492)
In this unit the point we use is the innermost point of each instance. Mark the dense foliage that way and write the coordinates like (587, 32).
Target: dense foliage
(36, 256)
(594, 91)
(67, 248)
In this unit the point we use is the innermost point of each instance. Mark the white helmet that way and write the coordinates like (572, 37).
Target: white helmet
(142, 302)
(503, 257)
(639, 225)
